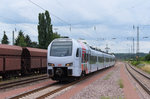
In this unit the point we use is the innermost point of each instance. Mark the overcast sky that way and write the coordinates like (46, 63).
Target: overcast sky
(97, 21)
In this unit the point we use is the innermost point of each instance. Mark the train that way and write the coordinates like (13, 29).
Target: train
(70, 59)
(21, 61)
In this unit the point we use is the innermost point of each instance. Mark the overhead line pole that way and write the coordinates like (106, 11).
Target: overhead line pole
(12, 37)
(133, 48)
(137, 51)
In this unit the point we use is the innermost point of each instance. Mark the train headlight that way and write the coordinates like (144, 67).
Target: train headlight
(69, 64)
(51, 64)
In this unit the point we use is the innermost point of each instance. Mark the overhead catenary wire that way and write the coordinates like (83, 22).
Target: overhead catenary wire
(50, 13)
(59, 3)
(69, 24)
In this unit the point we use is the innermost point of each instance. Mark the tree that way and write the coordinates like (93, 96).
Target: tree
(56, 35)
(20, 40)
(28, 41)
(34, 44)
(49, 29)
(147, 57)
(45, 31)
(5, 39)
(41, 31)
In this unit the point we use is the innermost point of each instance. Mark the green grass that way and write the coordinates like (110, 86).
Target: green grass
(120, 97)
(103, 97)
(107, 97)
(145, 62)
(135, 63)
(108, 76)
(120, 83)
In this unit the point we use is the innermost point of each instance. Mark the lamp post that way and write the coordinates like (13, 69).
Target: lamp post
(132, 49)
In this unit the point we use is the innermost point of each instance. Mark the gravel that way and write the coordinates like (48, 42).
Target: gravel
(106, 87)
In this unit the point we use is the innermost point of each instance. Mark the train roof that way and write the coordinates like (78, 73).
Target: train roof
(35, 51)
(63, 39)
(10, 50)
(84, 44)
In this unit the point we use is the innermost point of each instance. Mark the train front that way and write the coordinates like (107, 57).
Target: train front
(60, 59)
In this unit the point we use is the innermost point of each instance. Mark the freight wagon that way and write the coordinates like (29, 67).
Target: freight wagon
(19, 61)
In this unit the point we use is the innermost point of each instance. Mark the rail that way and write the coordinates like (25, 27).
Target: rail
(22, 81)
(52, 90)
(140, 77)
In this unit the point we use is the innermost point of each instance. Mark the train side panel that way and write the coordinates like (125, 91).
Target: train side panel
(100, 60)
(12, 63)
(1, 64)
(35, 63)
(10, 60)
(44, 62)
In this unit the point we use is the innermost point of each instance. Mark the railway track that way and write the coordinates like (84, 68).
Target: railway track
(141, 78)
(43, 92)
(22, 81)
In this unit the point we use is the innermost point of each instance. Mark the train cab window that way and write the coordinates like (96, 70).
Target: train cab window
(77, 53)
(61, 49)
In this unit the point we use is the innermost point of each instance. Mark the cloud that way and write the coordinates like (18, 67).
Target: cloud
(112, 19)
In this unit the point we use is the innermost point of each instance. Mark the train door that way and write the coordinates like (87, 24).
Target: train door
(102, 61)
(84, 58)
(78, 55)
(89, 64)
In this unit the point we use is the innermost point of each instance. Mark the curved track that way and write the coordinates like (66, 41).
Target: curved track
(141, 78)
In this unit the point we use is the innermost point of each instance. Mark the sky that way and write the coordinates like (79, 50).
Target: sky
(97, 21)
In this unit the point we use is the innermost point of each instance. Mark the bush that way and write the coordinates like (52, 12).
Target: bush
(135, 63)
(147, 57)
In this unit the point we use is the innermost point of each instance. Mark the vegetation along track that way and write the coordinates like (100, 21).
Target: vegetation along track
(141, 78)
(43, 92)
(22, 81)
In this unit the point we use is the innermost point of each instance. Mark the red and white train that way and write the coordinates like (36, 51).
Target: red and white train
(69, 58)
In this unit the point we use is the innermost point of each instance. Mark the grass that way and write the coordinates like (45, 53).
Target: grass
(135, 63)
(145, 67)
(145, 62)
(108, 76)
(104, 97)
(120, 97)
(120, 83)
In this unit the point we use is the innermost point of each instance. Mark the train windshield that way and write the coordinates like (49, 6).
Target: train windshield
(61, 49)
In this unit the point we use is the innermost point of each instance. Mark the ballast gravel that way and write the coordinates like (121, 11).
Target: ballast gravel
(106, 87)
